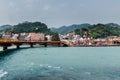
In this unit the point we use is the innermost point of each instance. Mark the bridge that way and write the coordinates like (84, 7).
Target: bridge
(6, 43)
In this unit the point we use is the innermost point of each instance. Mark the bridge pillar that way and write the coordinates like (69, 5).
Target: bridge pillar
(45, 44)
(31, 45)
(60, 44)
(4, 47)
(18, 46)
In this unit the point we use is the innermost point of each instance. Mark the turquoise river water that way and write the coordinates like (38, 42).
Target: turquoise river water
(61, 63)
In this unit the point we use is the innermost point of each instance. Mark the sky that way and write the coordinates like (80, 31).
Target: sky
(56, 13)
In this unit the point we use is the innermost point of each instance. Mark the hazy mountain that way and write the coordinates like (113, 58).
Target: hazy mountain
(113, 25)
(62, 30)
(5, 27)
(66, 29)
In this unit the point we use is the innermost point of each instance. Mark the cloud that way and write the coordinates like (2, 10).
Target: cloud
(46, 7)
(11, 4)
(59, 12)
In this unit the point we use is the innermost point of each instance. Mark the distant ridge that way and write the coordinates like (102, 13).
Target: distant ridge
(61, 30)
(5, 27)
(113, 25)
(67, 29)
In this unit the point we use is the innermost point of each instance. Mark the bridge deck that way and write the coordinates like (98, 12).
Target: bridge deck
(7, 43)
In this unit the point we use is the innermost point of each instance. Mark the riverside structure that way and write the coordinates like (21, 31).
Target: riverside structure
(6, 43)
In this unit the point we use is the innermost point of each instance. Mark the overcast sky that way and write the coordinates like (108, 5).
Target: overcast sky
(56, 13)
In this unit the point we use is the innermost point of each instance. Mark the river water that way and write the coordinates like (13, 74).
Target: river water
(61, 63)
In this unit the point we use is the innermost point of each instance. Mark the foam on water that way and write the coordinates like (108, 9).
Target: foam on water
(3, 73)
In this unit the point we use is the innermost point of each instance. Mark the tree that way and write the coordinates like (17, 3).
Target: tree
(77, 31)
(55, 37)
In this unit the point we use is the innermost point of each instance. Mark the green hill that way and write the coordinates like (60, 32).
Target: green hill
(100, 30)
(27, 27)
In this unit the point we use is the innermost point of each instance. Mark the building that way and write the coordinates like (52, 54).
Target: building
(23, 36)
(7, 35)
(49, 38)
(36, 37)
(15, 36)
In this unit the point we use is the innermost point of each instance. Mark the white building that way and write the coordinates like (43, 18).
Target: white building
(48, 37)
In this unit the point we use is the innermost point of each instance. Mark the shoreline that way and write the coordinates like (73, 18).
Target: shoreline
(96, 45)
